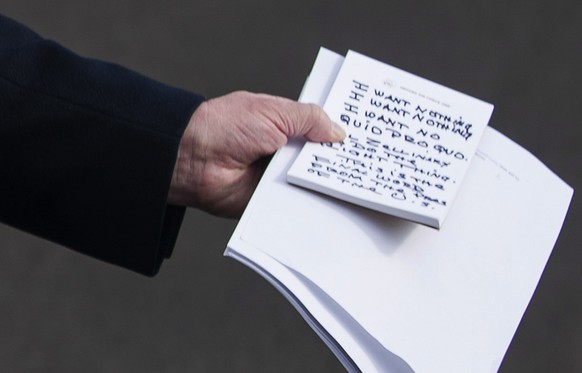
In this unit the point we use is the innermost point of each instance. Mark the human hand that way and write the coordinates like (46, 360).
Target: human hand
(223, 152)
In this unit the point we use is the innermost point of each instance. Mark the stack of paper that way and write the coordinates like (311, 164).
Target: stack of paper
(390, 295)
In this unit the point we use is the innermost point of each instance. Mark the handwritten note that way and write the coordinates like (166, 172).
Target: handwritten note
(410, 142)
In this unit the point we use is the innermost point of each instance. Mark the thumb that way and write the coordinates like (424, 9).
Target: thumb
(313, 123)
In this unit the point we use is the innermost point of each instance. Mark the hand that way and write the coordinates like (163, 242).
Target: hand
(223, 152)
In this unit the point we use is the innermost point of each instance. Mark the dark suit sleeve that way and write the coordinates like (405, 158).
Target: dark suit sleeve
(87, 151)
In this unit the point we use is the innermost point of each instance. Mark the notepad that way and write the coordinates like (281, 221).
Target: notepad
(409, 142)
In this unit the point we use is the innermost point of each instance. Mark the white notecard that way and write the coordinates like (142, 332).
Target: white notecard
(410, 142)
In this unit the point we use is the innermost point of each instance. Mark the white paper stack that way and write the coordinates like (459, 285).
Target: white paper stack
(390, 295)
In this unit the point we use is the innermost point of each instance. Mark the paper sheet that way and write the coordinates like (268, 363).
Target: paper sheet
(443, 301)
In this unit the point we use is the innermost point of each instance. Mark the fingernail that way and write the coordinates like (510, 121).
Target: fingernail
(338, 132)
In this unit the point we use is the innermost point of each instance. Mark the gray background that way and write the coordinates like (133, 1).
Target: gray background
(62, 312)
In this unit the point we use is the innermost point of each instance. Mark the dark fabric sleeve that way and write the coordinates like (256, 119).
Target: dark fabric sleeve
(87, 151)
